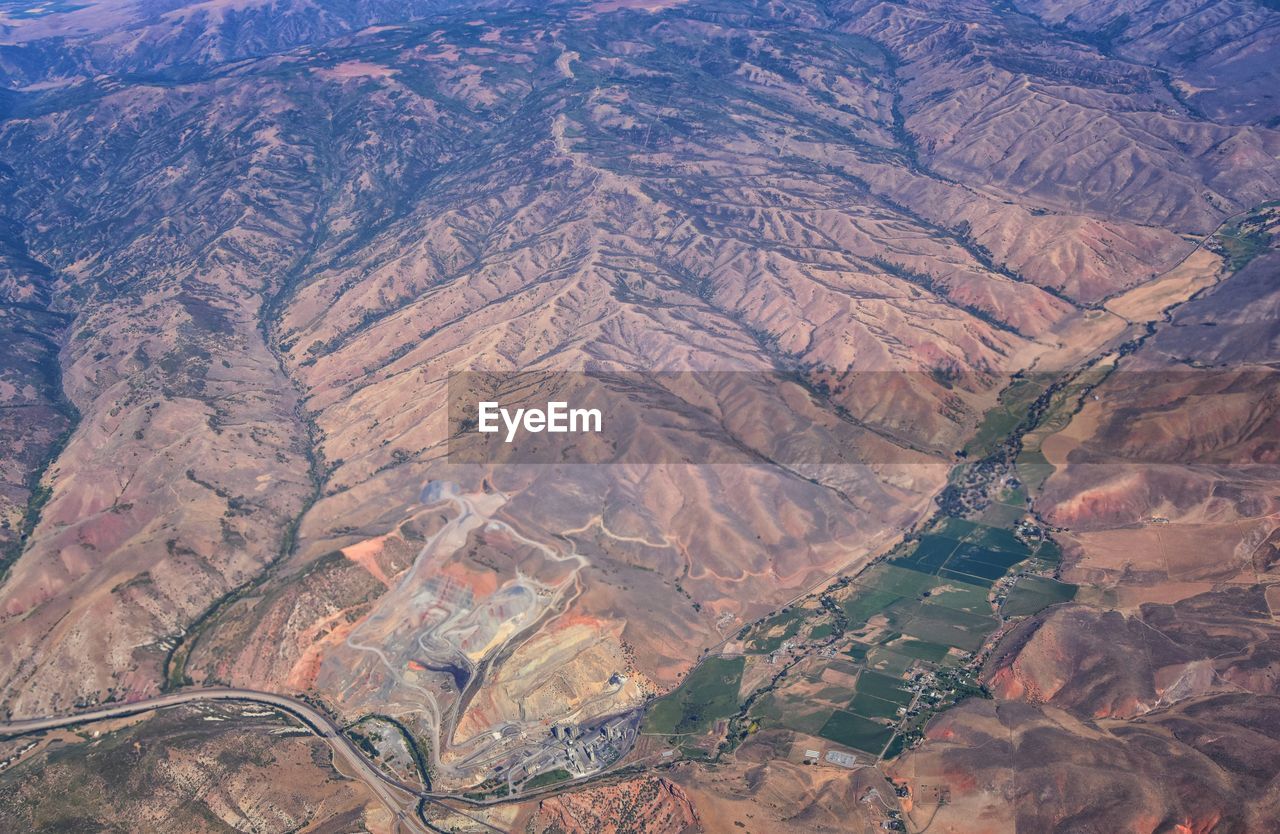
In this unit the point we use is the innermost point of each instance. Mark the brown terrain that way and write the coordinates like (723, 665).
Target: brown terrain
(650, 804)
(244, 246)
(1162, 692)
(187, 769)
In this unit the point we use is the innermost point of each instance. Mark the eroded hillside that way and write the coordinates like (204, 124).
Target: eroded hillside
(250, 245)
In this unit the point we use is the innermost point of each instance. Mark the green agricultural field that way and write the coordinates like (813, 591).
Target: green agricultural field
(765, 645)
(889, 662)
(831, 693)
(889, 636)
(999, 558)
(777, 711)
(997, 538)
(1244, 239)
(1035, 593)
(956, 528)
(1049, 552)
(921, 649)
(1005, 513)
(967, 557)
(964, 596)
(973, 571)
(1033, 469)
(807, 721)
(865, 603)
(897, 580)
(768, 710)
(901, 612)
(961, 619)
(1001, 420)
(869, 706)
(883, 686)
(856, 732)
(843, 667)
(709, 693)
(950, 627)
(895, 749)
(930, 553)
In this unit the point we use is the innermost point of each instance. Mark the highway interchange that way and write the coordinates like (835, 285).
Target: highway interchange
(399, 798)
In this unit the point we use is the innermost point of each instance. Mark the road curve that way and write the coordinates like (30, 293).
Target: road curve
(380, 783)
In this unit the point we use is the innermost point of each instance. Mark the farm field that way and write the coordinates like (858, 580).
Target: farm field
(921, 649)
(950, 627)
(856, 732)
(961, 595)
(884, 687)
(866, 602)
(1034, 593)
(870, 706)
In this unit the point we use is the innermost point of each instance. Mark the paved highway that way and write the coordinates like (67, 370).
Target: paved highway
(389, 791)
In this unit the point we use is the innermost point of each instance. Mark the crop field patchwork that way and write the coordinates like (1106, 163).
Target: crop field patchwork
(926, 609)
(964, 551)
(883, 686)
(974, 572)
(869, 706)
(889, 662)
